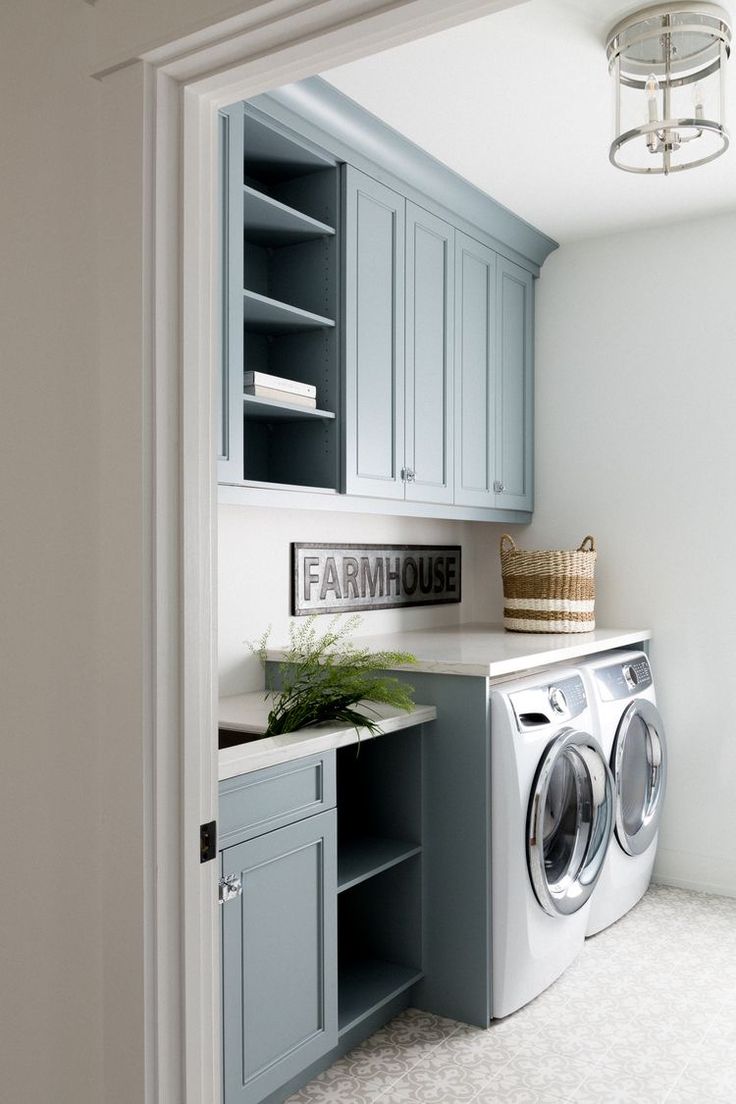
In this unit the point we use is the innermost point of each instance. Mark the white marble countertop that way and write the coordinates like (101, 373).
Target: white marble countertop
(248, 713)
(490, 651)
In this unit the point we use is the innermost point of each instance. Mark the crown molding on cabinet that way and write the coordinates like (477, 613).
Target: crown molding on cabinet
(330, 119)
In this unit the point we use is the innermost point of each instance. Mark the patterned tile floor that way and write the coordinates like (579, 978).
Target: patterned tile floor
(646, 1014)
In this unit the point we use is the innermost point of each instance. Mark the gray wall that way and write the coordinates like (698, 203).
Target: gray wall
(50, 929)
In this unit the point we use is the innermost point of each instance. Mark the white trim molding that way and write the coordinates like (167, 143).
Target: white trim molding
(172, 267)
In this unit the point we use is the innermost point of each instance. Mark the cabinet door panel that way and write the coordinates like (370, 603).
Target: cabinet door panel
(279, 957)
(475, 413)
(374, 337)
(514, 371)
(429, 355)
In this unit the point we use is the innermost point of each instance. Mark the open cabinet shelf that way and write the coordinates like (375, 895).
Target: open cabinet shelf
(365, 985)
(262, 314)
(271, 410)
(269, 222)
(365, 856)
(273, 156)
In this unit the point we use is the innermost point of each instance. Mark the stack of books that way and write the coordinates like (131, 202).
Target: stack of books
(264, 386)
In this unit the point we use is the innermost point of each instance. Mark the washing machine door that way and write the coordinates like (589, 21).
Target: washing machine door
(570, 821)
(639, 765)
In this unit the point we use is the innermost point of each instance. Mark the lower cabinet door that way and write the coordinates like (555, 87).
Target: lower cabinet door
(279, 957)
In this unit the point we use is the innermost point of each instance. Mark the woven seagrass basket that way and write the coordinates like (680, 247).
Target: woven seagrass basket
(552, 592)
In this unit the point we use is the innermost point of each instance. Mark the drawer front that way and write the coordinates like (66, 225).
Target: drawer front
(252, 804)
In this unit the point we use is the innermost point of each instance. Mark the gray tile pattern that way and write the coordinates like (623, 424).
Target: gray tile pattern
(646, 1015)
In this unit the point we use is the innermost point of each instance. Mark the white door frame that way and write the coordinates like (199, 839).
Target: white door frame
(182, 86)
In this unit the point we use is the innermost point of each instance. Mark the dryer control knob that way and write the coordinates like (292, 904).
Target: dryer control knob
(557, 700)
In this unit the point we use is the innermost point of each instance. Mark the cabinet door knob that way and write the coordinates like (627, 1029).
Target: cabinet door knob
(230, 887)
(498, 486)
(410, 475)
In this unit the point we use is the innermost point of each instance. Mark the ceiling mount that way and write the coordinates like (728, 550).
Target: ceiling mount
(668, 64)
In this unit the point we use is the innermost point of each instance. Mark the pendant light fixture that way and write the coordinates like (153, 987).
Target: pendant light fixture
(668, 65)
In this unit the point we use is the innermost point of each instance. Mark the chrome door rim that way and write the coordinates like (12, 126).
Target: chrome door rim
(589, 851)
(637, 843)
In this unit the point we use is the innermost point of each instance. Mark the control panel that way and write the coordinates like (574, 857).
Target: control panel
(624, 680)
(549, 704)
(573, 691)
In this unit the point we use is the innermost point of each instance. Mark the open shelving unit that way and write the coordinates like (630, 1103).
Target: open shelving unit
(281, 303)
(379, 879)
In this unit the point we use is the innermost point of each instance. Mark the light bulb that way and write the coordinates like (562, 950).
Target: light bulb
(652, 89)
(698, 100)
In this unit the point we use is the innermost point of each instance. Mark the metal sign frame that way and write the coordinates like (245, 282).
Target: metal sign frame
(363, 566)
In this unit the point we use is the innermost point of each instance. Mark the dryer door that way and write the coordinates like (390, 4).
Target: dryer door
(639, 764)
(570, 822)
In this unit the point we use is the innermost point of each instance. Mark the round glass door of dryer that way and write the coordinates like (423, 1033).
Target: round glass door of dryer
(569, 822)
(639, 764)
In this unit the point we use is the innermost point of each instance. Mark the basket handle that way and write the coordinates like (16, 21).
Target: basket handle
(585, 540)
(510, 539)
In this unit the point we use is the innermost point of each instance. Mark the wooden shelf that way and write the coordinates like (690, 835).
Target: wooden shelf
(366, 985)
(268, 222)
(271, 410)
(264, 315)
(361, 858)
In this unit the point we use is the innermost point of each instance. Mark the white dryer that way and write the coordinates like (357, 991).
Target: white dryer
(630, 729)
(551, 824)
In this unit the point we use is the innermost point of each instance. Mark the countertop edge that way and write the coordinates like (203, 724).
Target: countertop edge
(269, 752)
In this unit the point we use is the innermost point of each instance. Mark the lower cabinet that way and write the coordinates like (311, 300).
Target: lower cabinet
(279, 957)
(321, 890)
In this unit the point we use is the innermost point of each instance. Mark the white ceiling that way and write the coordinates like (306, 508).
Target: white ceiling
(520, 103)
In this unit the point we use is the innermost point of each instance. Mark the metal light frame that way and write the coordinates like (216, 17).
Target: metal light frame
(661, 22)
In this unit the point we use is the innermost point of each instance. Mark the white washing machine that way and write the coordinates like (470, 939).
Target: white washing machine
(630, 729)
(551, 824)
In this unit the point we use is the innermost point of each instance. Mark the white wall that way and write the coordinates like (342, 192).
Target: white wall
(254, 576)
(636, 401)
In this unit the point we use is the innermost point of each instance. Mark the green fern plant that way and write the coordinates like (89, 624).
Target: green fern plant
(323, 677)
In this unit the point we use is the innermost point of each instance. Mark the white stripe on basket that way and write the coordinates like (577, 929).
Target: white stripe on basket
(518, 624)
(563, 604)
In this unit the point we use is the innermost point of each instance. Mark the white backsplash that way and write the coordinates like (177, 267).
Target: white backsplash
(254, 576)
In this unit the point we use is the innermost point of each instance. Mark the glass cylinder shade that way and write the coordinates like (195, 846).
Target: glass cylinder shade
(668, 66)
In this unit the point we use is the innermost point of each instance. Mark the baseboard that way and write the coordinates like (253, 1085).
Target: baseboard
(701, 873)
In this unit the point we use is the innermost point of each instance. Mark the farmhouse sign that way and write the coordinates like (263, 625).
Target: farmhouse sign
(337, 578)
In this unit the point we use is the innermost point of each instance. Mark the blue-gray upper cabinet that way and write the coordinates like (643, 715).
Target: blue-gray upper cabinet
(493, 379)
(475, 386)
(373, 329)
(430, 281)
(514, 387)
(279, 951)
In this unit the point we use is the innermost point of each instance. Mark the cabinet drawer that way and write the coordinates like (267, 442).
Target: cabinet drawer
(259, 802)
